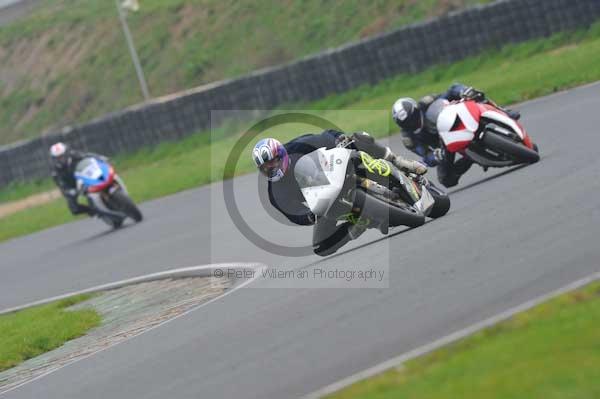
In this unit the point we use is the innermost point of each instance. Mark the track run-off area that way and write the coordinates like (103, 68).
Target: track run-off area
(510, 236)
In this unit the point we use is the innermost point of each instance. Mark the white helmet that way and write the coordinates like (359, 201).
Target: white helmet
(271, 158)
(59, 153)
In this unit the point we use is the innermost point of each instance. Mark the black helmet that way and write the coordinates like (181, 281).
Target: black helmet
(60, 153)
(407, 115)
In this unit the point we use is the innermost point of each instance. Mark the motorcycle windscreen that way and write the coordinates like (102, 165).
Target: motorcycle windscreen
(91, 172)
(309, 172)
(320, 176)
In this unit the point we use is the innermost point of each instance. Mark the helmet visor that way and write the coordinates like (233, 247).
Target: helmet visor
(272, 168)
(61, 160)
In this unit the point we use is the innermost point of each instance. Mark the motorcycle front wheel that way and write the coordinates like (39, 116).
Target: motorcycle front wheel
(518, 151)
(442, 202)
(122, 202)
(387, 211)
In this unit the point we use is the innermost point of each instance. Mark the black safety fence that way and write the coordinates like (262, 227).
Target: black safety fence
(406, 50)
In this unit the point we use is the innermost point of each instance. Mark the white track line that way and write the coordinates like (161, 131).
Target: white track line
(193, 271)
(255, 266)
(455, 336)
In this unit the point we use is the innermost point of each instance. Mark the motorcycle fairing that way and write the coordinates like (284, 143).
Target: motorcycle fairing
(321, 175)
(93, 174)
(504, 119)
(492, 113)
(426, 202)
(457, 124)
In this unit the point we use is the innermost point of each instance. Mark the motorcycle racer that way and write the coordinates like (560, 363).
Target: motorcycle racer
(64, 161)
(276, 161)
(422, 139)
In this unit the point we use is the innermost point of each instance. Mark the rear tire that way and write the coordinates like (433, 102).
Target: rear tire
(505, 145)
(123, 203)
(381, 211)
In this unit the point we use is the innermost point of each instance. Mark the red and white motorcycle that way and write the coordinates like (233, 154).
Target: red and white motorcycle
(482, 132)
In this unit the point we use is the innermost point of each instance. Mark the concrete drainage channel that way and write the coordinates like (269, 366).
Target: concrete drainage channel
(129, 308)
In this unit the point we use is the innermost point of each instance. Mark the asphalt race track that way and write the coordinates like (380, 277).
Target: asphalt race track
(509, 237)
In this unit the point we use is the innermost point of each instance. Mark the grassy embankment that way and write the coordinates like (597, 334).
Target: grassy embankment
(551, 351)
(68, 62)
(515, 73)
(31, 332)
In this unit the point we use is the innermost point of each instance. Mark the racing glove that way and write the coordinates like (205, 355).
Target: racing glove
(430, 159)
(470, 93)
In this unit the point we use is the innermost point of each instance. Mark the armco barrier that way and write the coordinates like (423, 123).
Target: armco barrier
(406, 50)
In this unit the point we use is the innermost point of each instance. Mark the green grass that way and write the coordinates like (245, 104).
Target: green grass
(31, 332)
(551, 351)
(16, 191)
(512, 74)
(68, 62)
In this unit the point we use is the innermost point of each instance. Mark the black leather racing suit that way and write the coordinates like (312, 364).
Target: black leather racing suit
(422, 141)
(64, 177)
(285, 194)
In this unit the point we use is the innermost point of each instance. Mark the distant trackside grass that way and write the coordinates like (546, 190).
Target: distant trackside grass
(512, 74)
(551, 351)
(31, 332)
(67, 61)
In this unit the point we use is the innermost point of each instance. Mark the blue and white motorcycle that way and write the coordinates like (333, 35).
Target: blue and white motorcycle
(105, 191)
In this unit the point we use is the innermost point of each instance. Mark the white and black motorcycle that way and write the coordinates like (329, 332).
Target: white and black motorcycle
(349, 185)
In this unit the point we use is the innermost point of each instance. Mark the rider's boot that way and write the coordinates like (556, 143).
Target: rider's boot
(384, 228)
(79, 209)
(406, 165)
(91, 212)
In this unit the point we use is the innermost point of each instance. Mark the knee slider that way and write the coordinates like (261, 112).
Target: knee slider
(408, 143)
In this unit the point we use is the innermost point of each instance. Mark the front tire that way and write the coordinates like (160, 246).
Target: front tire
(123, 203)
(442, 202)
(382, 211)
(507, 146)
(115, 223)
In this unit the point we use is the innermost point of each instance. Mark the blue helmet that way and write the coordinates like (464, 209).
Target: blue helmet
(271, 158)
